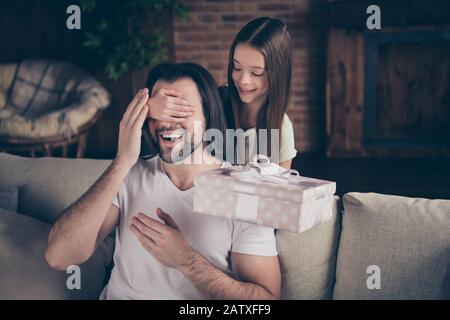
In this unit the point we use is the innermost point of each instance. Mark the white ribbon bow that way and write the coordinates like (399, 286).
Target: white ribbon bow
(261, 169)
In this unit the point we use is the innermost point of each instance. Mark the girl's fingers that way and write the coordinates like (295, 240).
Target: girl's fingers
(170, 92)
(179, 114)
(182, 109)
(182, 102)
(175, 120)
(137, 110)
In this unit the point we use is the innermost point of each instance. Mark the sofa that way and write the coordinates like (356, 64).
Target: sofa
(375, 246)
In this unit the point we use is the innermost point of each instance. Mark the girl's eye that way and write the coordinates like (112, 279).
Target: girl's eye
(258, 74)
(236, 69)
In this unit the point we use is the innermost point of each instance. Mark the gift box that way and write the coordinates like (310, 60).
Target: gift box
(266, 195)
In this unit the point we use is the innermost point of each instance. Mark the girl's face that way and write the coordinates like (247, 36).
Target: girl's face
(250, 74)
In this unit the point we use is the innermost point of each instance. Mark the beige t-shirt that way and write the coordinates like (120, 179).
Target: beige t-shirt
(287, 151)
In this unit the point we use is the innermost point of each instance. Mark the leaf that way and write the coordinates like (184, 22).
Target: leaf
(114, 32)
(87, 5)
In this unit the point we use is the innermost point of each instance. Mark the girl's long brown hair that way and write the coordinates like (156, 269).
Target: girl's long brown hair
(271, 37)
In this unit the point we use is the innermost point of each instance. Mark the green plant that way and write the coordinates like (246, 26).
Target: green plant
(115, 31)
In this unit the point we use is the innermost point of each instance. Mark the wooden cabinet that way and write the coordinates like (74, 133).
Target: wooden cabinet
(388, 91)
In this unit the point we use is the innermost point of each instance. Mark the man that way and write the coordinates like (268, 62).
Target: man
(163, 250)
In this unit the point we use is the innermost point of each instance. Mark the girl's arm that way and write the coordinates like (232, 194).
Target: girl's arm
(286, 164)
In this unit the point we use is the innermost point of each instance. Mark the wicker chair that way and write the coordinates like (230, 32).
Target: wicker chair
(47, 106)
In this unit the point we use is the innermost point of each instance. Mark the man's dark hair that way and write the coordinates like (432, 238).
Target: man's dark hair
(207, 88)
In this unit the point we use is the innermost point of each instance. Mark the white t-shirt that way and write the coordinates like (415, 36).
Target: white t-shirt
(247, 151)
(136, 273)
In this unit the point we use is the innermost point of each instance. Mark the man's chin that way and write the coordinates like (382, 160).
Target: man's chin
(178, 155)
(166, 152)
(173, 155)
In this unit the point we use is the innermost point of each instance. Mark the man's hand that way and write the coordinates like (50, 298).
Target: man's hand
(165, 242)
(129, 145)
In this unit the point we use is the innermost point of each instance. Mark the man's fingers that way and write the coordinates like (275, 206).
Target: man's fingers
(141, 117)
(143, 239)
(132, 104)
(149, 232)
(167, 219)
(151, 223)
(138, 108)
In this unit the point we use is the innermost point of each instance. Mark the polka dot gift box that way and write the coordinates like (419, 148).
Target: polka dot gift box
(264, 194)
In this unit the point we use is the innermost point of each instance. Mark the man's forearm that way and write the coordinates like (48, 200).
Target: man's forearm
(73, 237)
(215, 284)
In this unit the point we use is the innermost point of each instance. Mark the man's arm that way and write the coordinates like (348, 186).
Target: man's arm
(258, 277)
(77, 232)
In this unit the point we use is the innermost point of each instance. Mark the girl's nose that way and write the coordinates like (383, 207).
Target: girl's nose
(245, 78)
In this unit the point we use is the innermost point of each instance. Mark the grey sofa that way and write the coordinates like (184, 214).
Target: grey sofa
(375, 247)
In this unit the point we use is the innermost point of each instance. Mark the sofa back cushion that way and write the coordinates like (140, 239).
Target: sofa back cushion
(9, 199)
(308, 259)
(48, 185)
(24, 273)
(393, 247)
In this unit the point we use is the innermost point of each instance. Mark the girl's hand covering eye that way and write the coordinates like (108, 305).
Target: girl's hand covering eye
(167, 105)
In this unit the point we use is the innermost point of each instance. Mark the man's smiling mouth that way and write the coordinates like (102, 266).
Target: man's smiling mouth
(171, 136)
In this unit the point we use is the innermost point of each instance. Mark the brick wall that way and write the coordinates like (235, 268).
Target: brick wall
(206, 36)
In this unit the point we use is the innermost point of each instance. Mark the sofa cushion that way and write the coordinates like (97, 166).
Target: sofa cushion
(308, 259)
(393, 247)
(9, 199)
(24, 272)
(48, 185)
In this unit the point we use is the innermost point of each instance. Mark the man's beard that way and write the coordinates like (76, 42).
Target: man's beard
(177, 153)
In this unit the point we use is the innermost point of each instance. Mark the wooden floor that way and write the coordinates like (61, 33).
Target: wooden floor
(421, 178)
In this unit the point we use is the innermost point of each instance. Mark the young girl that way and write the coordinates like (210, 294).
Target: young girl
(257, 95)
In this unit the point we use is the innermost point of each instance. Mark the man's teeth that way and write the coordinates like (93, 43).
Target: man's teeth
(171, 136)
